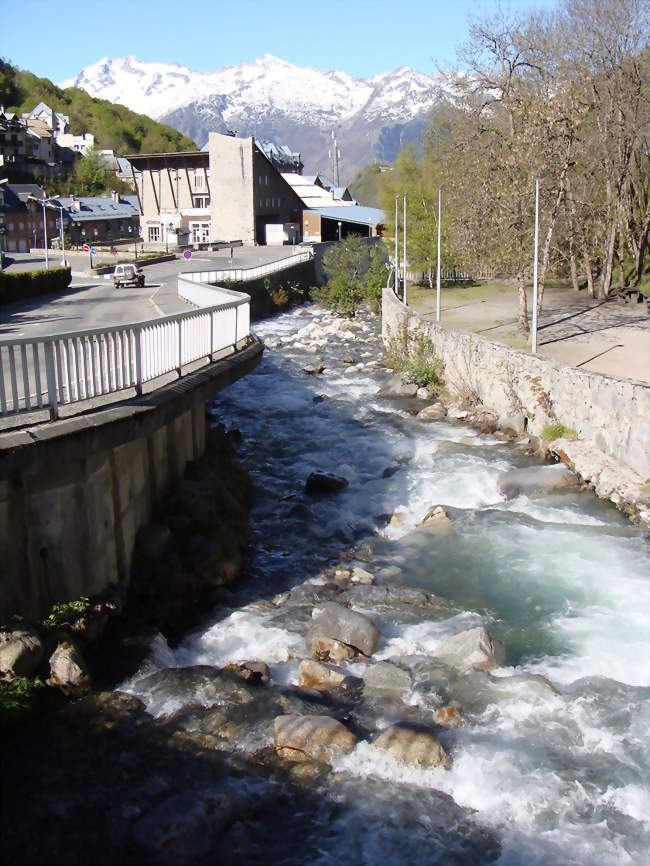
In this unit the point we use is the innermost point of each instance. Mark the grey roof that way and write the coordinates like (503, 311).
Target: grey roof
(24, 190)
(355, 213)
(100, 207)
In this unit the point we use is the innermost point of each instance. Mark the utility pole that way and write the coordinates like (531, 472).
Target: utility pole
(438, 273)
(404, 249)
(539, 177)
(335, 155)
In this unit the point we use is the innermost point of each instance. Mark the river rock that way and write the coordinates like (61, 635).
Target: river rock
(449, 717)
(315, 369)
(392, 596)
(21, 651)
(68, 670)
(325, 648)
(314, 675)
(457, 414)
(322, 482)
(514, 424)
(384, 678)
(395, 387)
(435, 412)
(361, 576)
(255, 673)
(341, 624)
(474, 648)
(535, 479)
(423, 394)
(312, 738)
(350, 359)
(437, 520)
(413, 744)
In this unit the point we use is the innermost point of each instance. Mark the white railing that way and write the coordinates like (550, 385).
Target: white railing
(57, 369)
(242, 275)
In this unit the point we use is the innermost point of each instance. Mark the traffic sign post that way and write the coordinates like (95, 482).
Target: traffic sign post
(187, 254)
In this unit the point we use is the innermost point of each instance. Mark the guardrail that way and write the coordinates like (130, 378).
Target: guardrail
(242, 275)
(57, 369)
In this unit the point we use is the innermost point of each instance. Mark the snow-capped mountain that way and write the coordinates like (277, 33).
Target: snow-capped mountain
(271, 98)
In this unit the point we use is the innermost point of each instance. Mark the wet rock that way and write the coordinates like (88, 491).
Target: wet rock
(398, 518)
(314, 675)
(449, 717)
(311, 738)
(435, 412)
(322, 482)
(199, 684)
(389, 471)
(255, 673)
(315, 369)
(341, 624)
(395, 387)
(522, 684)
(423, 394)
(68, 670)
(392, 596)
(384, 678)
(514, 424)
(312, 593)
(361, 576)
(21, 651)
(474, 648)
(324, 648)
(350, 359)
(342, 575)
(437, 520)
(413, 744)
(319, 398)
(457, 414)
(535, 479)
(185, 827)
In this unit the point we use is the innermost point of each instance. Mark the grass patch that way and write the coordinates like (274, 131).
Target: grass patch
(17, 698)
(558, 431)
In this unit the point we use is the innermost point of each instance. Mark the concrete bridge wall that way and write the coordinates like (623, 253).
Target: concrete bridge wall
(74, 493)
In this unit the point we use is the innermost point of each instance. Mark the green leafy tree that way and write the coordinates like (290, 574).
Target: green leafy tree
(352, 268)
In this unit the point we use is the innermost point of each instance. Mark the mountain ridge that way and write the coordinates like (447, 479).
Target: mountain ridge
(272, 98)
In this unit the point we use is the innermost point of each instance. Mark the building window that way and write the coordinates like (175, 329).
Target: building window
(267, 202)
(198, 181)
(261, 205)
(259, 179)
(266, 180)
(154, 234)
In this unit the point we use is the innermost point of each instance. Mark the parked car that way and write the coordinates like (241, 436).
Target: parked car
(127, 275)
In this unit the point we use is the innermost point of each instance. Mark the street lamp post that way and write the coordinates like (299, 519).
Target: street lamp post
(404, 249)
(438, 272)
(63, 261)
(539, 177)
(396, 249)
(47, 262)
(339, 225)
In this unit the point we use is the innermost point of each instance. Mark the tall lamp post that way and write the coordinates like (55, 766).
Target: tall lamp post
(539, 177)
(44, 203)
(438, 271)
(339, 225)
(396, 286)
(404, 249)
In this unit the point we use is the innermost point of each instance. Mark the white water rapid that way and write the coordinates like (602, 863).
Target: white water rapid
(543, 772)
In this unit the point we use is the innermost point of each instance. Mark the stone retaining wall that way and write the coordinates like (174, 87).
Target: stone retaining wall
(612, 414)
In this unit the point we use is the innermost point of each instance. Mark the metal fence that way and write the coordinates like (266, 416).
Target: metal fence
(57, 369)
(243, 275)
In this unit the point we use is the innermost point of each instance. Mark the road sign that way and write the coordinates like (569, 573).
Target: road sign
(187, 254)
(93, 250)
(86, 248)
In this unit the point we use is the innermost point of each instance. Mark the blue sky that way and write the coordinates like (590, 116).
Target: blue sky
(361, 37)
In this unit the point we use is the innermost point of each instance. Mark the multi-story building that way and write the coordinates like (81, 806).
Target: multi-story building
(23, 218)
(100, 219)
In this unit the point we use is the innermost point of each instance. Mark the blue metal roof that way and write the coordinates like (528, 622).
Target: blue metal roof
(100, 208)
(354, 213)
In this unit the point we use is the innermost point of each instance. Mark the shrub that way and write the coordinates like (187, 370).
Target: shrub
(415, 357)
(65, 612)
(18, 285)
(18, 697)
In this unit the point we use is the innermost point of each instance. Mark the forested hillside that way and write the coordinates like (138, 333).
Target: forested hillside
(113, 126)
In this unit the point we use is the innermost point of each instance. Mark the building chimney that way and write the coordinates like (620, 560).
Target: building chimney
(75, 204)
(115, 196)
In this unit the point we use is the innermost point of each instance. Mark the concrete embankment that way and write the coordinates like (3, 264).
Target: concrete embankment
(606, 417)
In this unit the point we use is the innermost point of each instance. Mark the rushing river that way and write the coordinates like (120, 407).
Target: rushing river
(539, 775)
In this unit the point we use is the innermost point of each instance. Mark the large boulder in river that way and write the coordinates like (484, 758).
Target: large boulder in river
(413, 744)
(437, 520)
(315, 675)
(311, 738)
(323, 482)
(21, 651)
(384, 678)
(474, 648)
(68, 670)
(347, 626)
(434, 412)
(535, 479)
(514, 424)
(395, 387)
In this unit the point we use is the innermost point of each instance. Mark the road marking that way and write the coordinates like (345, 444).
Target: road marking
(154, 304)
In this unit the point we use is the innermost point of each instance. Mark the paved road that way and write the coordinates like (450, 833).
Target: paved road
(94, 302)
